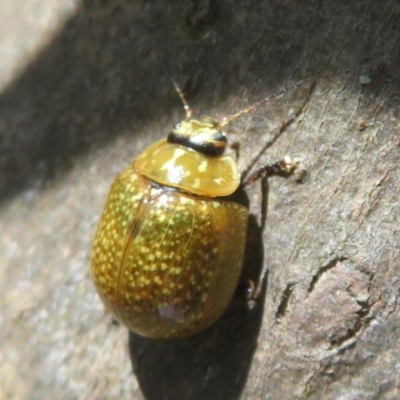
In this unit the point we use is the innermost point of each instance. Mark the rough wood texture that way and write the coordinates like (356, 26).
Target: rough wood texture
(327, 324)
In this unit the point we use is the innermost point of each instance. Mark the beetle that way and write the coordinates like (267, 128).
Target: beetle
(168, 251)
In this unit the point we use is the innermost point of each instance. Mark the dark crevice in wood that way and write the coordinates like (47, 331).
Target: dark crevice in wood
(363, 319)
(283, 304)
(331, 264)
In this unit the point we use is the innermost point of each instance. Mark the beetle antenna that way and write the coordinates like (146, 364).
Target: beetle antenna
(186, 106)
(228, 119)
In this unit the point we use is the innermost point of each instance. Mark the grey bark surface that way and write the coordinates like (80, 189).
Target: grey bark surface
(98, 91)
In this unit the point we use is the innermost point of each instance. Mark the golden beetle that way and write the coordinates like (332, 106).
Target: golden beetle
(168, 250)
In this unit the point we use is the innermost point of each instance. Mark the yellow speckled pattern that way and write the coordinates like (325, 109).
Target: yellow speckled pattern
(166, 263)
(174, 165)
(122, 208)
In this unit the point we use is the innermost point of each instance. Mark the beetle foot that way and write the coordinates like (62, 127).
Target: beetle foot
(288, 165)
(251, 294)
(284, 167)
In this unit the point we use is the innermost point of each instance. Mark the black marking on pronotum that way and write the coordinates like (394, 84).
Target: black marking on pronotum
(213, 146)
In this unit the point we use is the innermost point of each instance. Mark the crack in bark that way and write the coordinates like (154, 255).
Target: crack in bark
(329, 265)
(363, 320)
(284, 302)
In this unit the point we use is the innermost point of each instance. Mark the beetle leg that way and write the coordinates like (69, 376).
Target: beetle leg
(283, 167)
(253, 289)
(235, 146)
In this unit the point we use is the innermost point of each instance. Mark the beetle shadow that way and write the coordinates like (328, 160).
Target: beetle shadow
(215, 363)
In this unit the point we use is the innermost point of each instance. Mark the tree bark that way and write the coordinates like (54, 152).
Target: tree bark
(326, 324)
